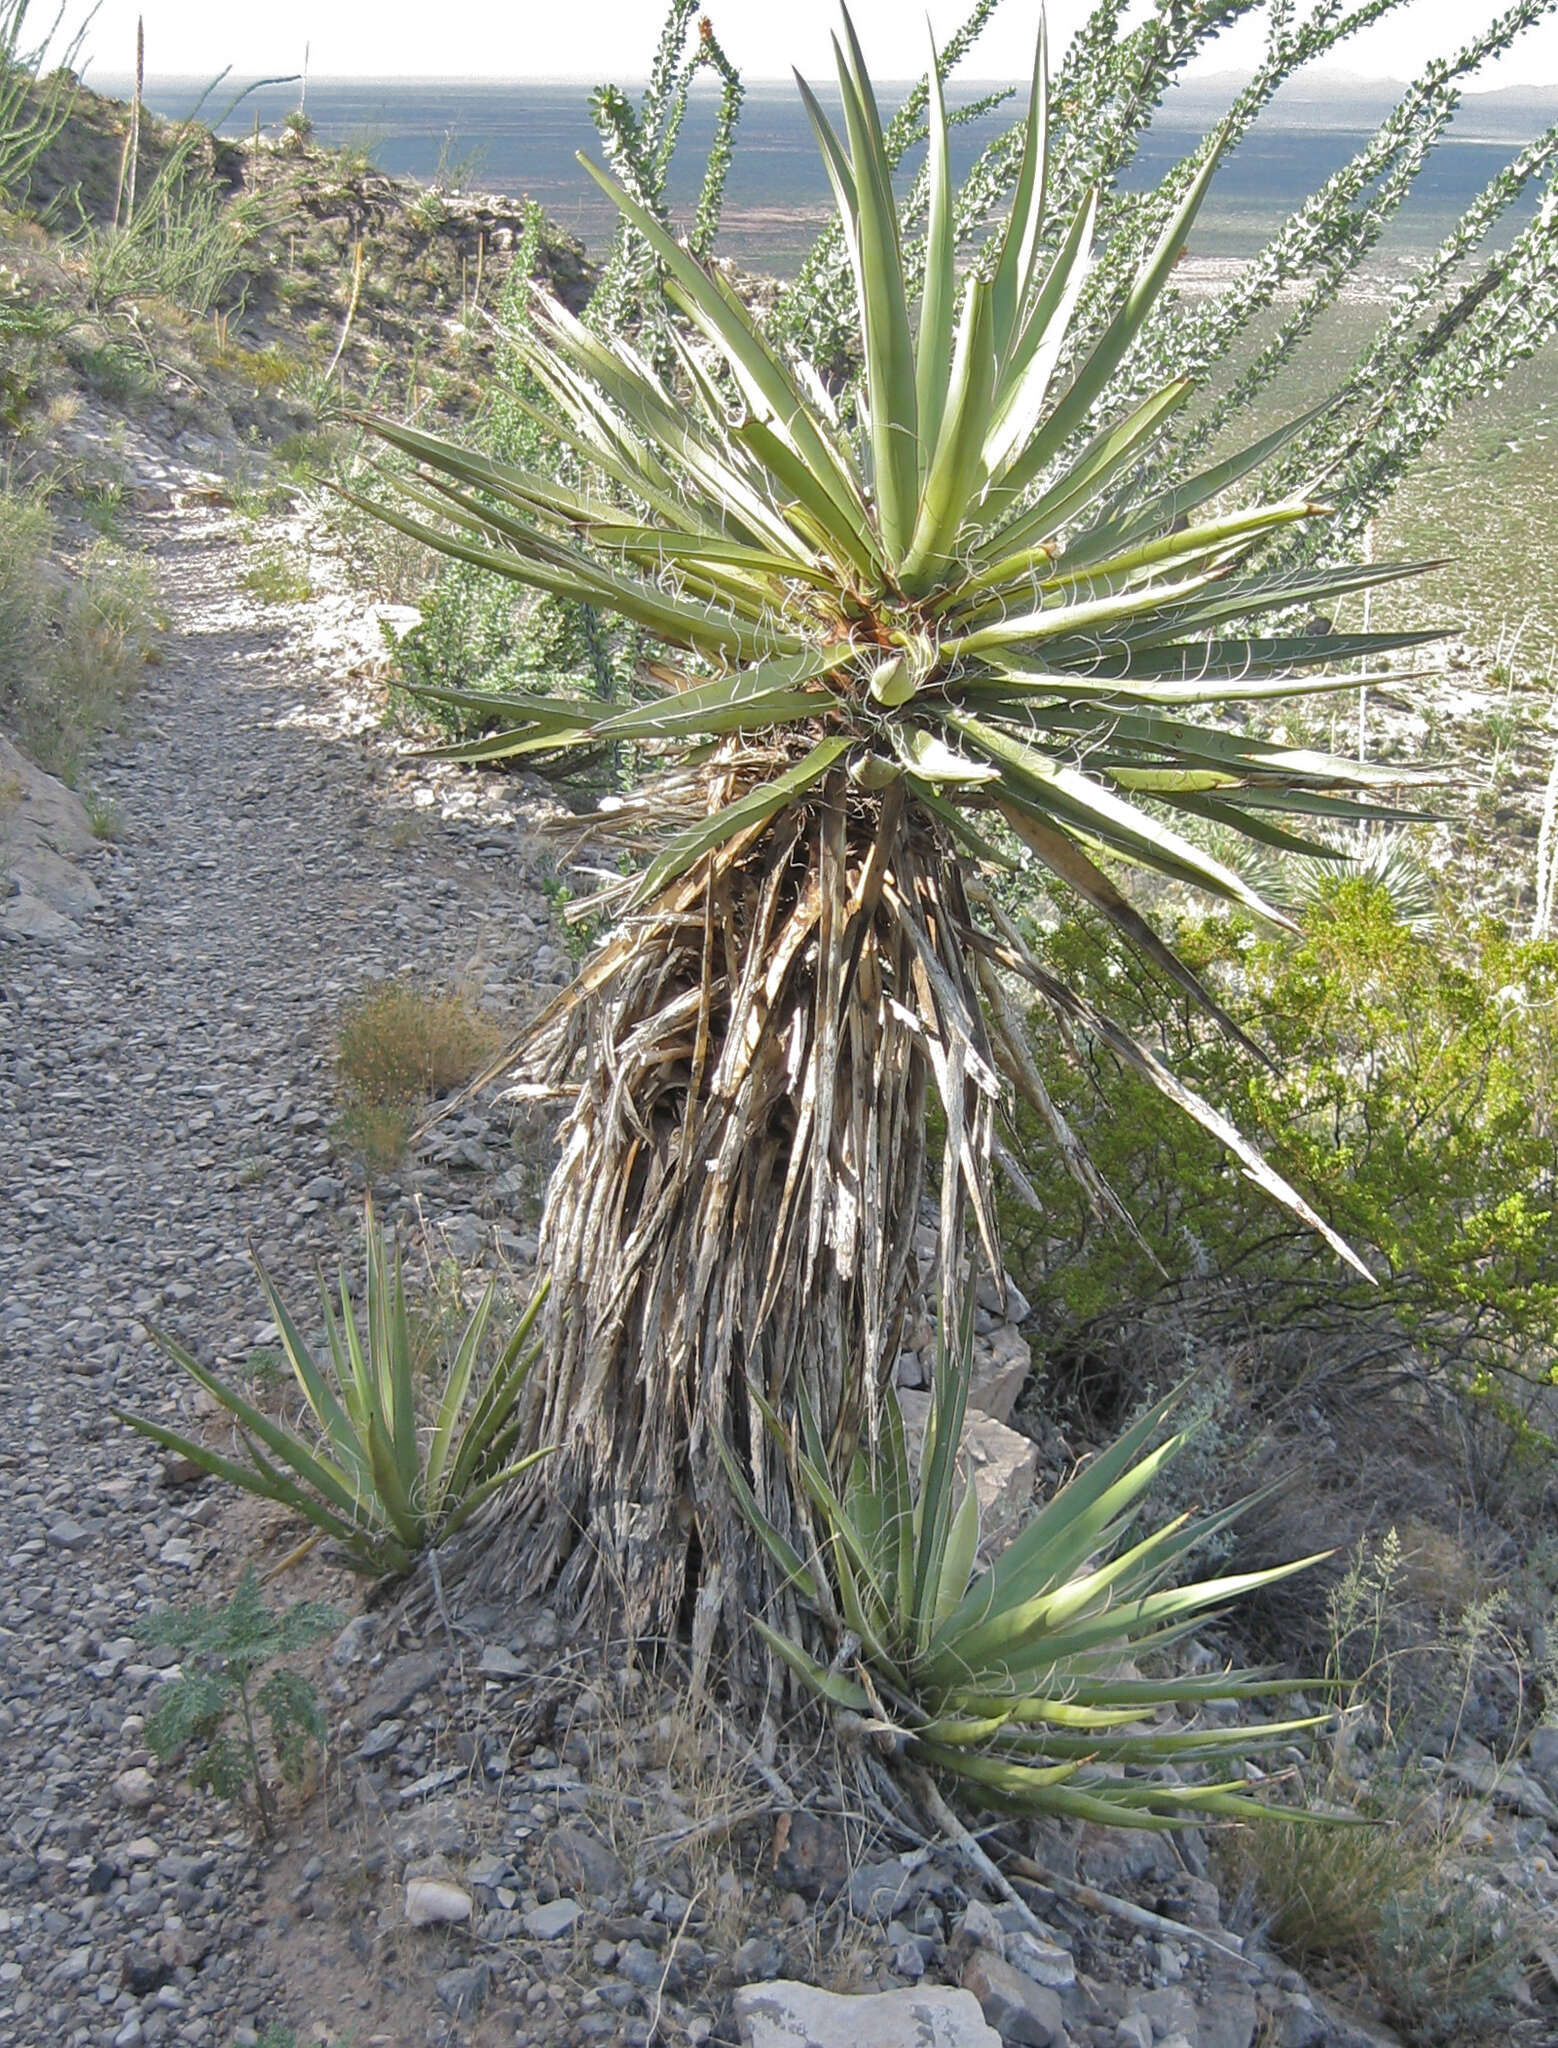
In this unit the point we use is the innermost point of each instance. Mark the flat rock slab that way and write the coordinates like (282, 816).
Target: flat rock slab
(554, 1921)
(398, 1684)
(789, 2015)
(43, 832)
(1002, 1363)
(580, 1861)
(430, 1902)
(1004, 1465)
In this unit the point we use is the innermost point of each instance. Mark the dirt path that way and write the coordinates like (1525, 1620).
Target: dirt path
(165, 1092)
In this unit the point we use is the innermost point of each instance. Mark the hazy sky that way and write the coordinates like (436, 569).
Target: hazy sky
(599, 39)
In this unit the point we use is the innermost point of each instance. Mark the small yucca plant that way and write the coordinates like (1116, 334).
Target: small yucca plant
(912, 636)
(385, 1483)
(1009, 1679)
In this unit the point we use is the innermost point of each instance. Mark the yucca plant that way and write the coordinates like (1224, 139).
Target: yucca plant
(383, 1481)
(909, 641)
(1018, 1681)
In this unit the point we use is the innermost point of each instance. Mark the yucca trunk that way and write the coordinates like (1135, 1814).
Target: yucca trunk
(735, 1200)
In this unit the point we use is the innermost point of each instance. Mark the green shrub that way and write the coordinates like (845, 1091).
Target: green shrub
(115, 370)
(377, 1132)
(105, 818)
(1414, 1099)
(475, 632)
(224, 1648)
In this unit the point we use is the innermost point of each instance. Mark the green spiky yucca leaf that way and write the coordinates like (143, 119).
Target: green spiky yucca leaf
(1018, 1680)
(962, 597)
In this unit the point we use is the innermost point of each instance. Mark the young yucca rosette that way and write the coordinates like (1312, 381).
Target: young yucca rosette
(1011, 1679)
(378, 1477)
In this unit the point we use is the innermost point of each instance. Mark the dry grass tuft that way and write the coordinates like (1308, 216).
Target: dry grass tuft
(1394, 1895)
(73, 643)
(1393, 1903)
(399, 1044)
(398, 1048)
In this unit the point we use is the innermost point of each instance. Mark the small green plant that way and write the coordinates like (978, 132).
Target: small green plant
(224, 1649)
(266, 1365)
(101, 504)
(277, 577)
(391, 1476)
(398, 1043)
(115, 371)
(29, 334)
(105, 819)
(355, 157)
(265, 370)
(1004, 1680)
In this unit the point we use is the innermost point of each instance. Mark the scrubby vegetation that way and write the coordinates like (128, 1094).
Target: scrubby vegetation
(1411, 1092)
(74, 635)
(227, 1648)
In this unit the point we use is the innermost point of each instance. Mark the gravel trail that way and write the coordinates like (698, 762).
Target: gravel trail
(164, 1098)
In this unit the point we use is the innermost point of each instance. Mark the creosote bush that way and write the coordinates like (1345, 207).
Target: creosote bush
(1414, 1096)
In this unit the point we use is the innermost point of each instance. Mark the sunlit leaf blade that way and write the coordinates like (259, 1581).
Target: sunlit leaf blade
(1019, 244)
(938, 297)
(957, 463)
(1087, 386)
(1029, 368)
(884, 306)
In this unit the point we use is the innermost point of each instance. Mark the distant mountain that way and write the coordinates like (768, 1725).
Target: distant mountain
(1344, 100)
